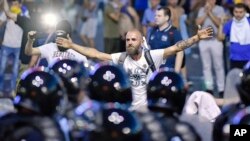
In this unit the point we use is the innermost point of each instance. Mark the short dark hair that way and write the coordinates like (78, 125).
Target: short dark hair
(241, 5)
(167, 11)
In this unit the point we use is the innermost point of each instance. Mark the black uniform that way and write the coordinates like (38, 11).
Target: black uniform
(17, 127)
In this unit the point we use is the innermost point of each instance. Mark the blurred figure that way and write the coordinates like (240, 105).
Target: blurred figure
(176, 12)
(236, 31)
(3, 19)
(166, 98)
(222, 122)
(74, 76)
(109, 88)
(68, 10)
(63, 29)
(140, 6)
(211, 50)
(75, 79)
(90, 20)
(129, 20)
(39, 97)
(148, 21)
(116, 125)
(247, 3)
(110, 83)
(178, 20)
(112, 13)
(12, 44)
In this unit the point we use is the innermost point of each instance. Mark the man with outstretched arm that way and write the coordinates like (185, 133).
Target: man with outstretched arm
(135, 63)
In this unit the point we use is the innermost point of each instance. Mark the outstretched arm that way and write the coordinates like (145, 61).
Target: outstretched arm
(86, 51)
(205, 33)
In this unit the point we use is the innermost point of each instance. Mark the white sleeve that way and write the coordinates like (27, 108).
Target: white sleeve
(115, 57)
(45, 50)
(157, 56)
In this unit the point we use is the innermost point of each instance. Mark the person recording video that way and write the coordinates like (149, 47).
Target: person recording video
(51, 51)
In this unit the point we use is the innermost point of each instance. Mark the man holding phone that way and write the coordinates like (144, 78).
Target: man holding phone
(51, 51)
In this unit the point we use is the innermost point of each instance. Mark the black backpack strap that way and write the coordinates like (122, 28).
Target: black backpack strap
(122, 58)
(149, 60)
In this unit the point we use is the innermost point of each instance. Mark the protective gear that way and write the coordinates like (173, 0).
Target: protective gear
(244, 86)
(166, 92)
(41, 92)
(116, 125)
(17, 127)
(109, 83)
(222, 123)
(159, 127)
(74, 76)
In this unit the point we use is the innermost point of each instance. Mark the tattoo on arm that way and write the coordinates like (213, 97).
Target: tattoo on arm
(181, 45)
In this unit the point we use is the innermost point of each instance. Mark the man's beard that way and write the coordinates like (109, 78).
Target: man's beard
(132, 50)
(62, 49)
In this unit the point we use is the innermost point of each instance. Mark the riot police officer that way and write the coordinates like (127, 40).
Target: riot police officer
(75, 78)
(39, 96)
(109, 117)
(228, 112)
(166, 98)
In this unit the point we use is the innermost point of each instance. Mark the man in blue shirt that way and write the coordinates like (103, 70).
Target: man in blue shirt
(166, 35)
(237, 31)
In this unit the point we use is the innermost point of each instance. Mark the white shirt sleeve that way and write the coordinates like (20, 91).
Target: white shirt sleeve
(157, 56)
(47, 50)
(115, 57)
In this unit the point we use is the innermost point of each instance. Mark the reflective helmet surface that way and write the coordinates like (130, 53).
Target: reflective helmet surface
(109, 83)
(244, 86)
(166, 92)
(73, 74)
(117, 124)
(40, 91)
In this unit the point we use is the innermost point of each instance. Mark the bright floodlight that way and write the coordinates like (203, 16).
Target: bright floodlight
(49, 19)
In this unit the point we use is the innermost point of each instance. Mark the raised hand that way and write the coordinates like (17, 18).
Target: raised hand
(31, 35)
(66, 43)
(205, 33)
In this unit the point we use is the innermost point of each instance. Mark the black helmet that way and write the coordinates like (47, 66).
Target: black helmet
(20, 127)
(40, 91)
(166, 92)
(221, 126)
(116, 124)
(244, 86)
(73, 74)
(109, 83)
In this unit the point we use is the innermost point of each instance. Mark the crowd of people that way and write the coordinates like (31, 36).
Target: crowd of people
(54, 88)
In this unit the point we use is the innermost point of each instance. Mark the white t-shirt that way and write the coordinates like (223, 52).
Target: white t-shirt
(51, 52)
(13, 35)
(137, 71)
